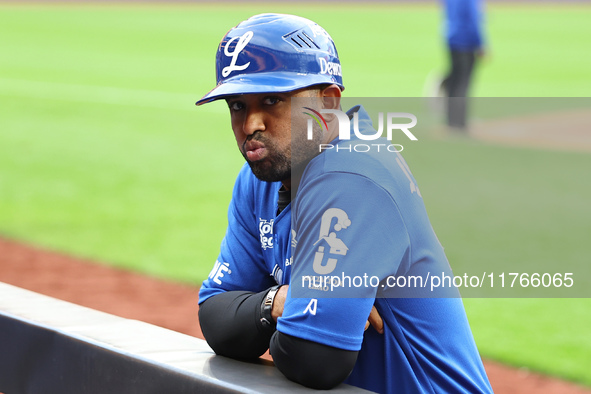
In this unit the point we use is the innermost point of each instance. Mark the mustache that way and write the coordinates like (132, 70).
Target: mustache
(256, 136)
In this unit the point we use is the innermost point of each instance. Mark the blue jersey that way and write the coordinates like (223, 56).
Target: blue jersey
(359, 217)
(463, 24)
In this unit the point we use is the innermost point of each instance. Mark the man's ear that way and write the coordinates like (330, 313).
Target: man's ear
(331, 97)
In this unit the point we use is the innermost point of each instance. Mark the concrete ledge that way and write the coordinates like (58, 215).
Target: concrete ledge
(52, 346)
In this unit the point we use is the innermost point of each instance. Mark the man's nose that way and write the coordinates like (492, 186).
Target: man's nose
(254, 121)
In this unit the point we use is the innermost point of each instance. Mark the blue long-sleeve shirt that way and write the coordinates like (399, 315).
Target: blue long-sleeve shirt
(361, 217)
(463, 24)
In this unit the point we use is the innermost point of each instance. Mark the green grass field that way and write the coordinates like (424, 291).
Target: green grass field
(103, 154)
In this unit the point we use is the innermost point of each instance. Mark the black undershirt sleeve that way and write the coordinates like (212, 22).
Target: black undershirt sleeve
(310, 363)
(231, 324)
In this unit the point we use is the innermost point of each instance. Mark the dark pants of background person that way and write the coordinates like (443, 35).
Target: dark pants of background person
(456, 86)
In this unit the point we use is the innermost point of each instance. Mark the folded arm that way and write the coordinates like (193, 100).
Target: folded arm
(231, 323)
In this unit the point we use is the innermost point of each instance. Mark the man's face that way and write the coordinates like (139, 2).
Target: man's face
(262, 125)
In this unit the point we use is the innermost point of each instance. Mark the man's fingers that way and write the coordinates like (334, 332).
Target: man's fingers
(375, 320)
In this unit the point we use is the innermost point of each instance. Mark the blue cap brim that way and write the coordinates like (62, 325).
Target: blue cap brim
(270, 82)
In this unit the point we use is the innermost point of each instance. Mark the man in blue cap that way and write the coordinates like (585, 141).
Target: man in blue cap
(298, 209)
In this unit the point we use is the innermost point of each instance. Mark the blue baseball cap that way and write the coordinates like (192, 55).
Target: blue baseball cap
(274, 53)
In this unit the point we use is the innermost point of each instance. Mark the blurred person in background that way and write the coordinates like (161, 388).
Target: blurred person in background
(465, 45)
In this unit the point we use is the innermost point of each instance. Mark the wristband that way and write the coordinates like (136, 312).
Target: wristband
(267, 306)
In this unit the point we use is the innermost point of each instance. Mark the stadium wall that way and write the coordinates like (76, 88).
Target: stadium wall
(52, 346)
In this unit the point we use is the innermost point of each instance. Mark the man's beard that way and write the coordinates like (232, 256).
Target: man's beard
(278, 165)
(274, 168)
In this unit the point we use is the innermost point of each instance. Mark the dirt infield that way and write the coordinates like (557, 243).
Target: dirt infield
(173, 305)
(566, 130)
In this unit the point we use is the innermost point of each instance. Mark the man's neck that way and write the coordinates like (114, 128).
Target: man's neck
(292, 182)
(286, 184)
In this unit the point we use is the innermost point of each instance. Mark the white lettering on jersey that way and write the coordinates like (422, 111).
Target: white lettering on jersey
(244, 39)
(404, 167)
(266, 233)
(217, 273)
(294, 241)
(311, 307)
(337, 246)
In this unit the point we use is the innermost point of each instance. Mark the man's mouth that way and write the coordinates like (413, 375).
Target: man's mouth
(255, 150)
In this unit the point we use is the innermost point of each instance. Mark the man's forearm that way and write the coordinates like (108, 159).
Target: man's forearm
(231, 324)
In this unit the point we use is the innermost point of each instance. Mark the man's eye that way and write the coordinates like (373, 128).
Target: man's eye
(236, 106)
(271, 100)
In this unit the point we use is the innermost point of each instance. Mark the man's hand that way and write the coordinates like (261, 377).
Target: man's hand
(375, 320)
(279, 302)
